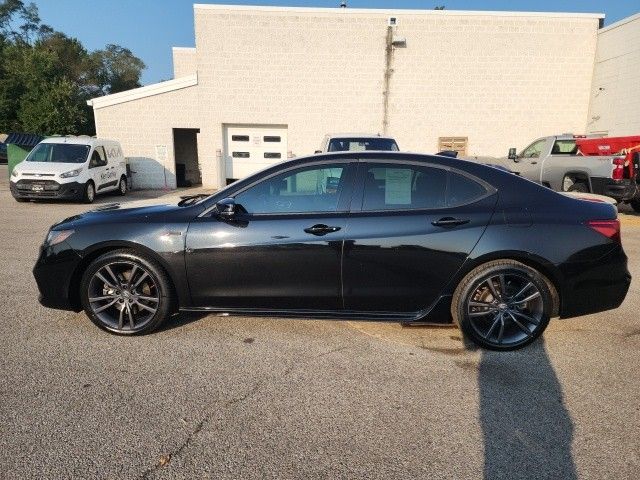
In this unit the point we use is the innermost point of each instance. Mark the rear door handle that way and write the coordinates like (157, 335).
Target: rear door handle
(321, 229)
(449, 222)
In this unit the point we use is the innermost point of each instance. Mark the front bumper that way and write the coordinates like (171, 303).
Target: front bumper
(621, 190)
(46, 189)
(595, 286)
(54, 273)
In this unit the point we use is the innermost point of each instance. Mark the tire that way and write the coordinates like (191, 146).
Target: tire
(635, 204)
(580, 187)
(122, 186)
(20, 200)
(497, 323)
(89, 194)
(126, 293)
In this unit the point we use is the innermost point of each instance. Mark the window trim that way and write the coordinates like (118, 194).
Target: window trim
(357, 199)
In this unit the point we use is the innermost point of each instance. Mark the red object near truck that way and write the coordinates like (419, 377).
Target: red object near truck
(628, 148)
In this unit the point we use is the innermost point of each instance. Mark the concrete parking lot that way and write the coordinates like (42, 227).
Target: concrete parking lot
(229, 397)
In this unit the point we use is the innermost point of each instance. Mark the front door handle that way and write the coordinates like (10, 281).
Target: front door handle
(321, 229)
(449, 222)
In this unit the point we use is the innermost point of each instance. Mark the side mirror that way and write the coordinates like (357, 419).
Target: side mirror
(512, 154)
(226, 208)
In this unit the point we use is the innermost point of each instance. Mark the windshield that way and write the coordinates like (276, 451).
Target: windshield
(59, 153)
(361, 144)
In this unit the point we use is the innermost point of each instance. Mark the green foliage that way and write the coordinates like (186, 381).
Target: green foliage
(46, 77)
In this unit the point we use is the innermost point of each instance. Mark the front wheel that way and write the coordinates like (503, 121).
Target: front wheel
(89, 192)
(503, 305)
(126, 293)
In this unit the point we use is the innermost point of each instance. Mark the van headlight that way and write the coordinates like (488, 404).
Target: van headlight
(15, 173)
(71, 173)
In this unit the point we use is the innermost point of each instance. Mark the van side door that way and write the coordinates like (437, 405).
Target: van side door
(99, 169)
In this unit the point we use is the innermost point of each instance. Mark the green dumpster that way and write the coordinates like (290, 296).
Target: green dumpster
(18, 147)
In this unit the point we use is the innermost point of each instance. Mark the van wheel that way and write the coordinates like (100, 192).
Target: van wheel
(122, 186)
(635, 204)
(89, 192)
(502, 305)
(580, 187)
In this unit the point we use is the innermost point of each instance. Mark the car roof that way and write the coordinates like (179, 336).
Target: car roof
(78, 140)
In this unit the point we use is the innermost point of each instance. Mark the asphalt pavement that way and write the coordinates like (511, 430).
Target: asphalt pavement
(229, 397)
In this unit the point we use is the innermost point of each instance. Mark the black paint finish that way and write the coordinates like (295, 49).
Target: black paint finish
(390, 265)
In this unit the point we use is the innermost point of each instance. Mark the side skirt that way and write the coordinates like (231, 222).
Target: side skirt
(436, 314)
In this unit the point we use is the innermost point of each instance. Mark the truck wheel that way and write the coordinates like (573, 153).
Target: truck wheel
(122, 186)
(89, 192)
(635, 204)
(579, 187)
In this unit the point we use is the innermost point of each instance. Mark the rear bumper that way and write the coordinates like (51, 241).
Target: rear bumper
(54, 273)
(50, 190)
(595, 286)
(621, 190)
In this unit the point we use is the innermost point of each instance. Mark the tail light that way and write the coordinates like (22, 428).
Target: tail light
(608, 228)
(618, 168)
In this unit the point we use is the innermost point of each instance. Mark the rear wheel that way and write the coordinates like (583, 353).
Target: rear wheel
(89, 192)
(126, 293)
(580, 187)
(503, 305)
(122, 186)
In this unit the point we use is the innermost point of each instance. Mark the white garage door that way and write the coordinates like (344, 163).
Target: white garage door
(249, 148)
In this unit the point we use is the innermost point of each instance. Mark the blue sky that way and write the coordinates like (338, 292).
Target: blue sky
(151, 27)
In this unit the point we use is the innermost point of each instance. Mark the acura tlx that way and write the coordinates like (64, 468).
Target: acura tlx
(368, 235)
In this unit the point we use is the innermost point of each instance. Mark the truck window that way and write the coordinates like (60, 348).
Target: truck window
(564, 147)
(534, 150)
(362, 144)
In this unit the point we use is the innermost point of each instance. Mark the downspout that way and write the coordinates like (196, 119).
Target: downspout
(388, 71)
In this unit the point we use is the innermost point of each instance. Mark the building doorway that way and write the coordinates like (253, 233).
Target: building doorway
(185, 149)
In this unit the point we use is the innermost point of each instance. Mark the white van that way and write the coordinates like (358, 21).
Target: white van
(70, 168)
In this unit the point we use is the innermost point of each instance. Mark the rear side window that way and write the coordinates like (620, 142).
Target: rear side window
(400, 187)
(564, 147)
(414, 187)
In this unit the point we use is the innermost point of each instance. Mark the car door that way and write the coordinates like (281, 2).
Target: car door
(411, 228)
(282, 250)
(99, 168)
(529, 163)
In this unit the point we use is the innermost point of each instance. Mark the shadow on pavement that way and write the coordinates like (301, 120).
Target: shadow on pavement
(527, 429)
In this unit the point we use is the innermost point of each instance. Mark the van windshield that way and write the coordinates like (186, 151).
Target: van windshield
(59, 153)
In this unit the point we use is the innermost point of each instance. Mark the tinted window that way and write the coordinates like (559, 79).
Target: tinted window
(361, 144)
(271, 138)
(564, 147)
(239, 138)
(399, 187)
(59, 152)
(309, 189)
(272, 155)
(240, 154)
(463, 190)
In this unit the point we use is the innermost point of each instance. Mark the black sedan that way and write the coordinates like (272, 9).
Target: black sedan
(369, 235)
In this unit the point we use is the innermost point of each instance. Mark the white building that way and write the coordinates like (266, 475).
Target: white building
(266, 83)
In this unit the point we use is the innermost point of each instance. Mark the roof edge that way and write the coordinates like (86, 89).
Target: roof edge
(619, 23)
(143, 92)
(387, 11)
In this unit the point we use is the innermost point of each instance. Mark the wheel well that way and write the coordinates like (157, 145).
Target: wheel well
(76, 277)
(577, 177)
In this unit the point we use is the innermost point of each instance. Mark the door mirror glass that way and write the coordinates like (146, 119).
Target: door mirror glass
(226, 208)
(513, 155)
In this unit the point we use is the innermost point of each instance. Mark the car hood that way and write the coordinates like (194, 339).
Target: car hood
(130, 213)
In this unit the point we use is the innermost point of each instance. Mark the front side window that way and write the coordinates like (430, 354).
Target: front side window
(304, 190)
(400, 187)
(361, 144)
(58, 153)
(98, 158)
(534, 150)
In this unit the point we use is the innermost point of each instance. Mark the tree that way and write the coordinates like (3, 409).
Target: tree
(46, 77)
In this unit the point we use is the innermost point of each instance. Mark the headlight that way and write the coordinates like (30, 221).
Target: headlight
(54, 237)
(15, 173)
(72, 173)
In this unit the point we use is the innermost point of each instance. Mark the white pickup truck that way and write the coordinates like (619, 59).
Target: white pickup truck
(556, 163)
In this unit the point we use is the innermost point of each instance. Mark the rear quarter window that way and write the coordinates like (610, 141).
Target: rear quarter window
(463, 190)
